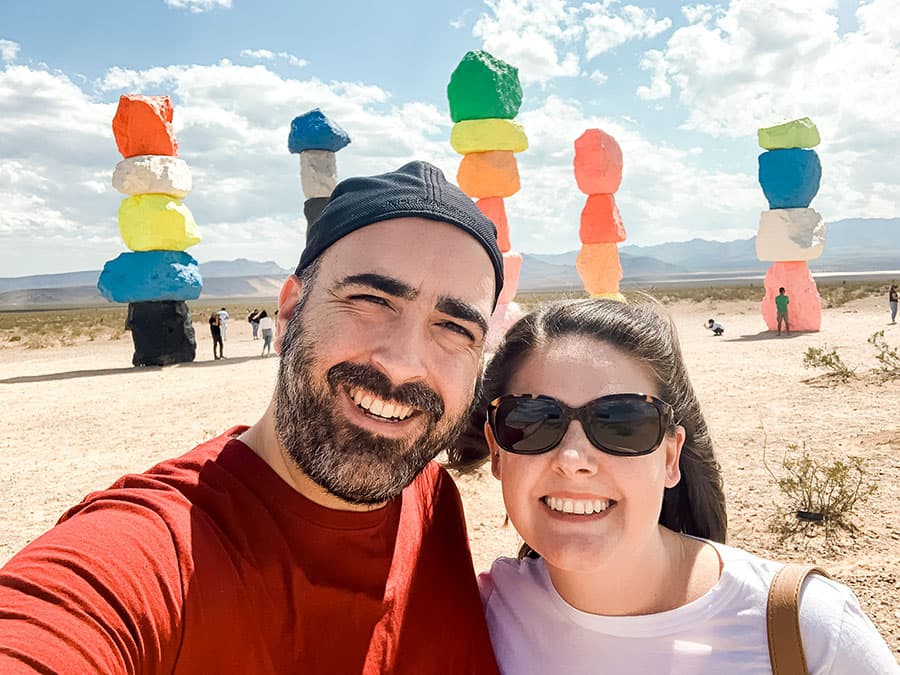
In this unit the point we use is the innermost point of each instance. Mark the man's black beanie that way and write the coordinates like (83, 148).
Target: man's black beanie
(415, 189)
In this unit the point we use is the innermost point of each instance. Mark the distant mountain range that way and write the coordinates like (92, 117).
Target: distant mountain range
(852, 245)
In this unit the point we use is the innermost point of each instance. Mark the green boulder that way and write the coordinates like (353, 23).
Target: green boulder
(800, 133)
(484, 87)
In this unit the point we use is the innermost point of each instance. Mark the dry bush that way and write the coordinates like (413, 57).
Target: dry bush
(888, 357)
(819, 496)
(830, 361)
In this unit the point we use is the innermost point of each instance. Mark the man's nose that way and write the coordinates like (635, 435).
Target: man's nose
(401, 350)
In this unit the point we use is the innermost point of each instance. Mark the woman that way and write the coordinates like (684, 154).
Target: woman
(608, 473)
(267, 326)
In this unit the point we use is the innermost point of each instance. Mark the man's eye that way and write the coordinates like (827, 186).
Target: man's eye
(374, 299)
(460, 330)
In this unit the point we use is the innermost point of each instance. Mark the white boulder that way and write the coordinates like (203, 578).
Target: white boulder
(159, 174)
(790, 234)
(318, 173)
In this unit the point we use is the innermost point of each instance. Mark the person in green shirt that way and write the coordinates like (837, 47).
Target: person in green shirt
(781, 305)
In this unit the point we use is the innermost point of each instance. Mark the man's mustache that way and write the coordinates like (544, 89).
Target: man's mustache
(415, 394)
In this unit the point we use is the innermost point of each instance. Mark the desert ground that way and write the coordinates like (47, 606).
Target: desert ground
(77, 416)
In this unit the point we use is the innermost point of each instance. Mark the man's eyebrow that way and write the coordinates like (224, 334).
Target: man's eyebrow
(462, 310)
(385, 284)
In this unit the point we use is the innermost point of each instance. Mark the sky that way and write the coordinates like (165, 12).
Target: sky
(683, 89)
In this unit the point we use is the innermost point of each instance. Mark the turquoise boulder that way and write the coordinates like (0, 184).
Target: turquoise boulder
(143, 276)
(790, 178)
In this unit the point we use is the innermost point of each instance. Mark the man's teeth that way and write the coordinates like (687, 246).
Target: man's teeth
(379, 407)
(577, 506)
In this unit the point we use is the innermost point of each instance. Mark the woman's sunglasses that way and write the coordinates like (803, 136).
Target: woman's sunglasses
(627, 425)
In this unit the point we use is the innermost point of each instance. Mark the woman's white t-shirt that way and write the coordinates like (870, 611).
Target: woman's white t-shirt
(266, 323)
(534, 630)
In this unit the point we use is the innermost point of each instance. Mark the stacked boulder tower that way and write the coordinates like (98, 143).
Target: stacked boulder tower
(485, 96)
(158, 276)
(598, 173)
(316, 139)
(790, 233)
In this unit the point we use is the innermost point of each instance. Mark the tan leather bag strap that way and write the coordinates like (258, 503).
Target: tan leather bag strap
(783, 619)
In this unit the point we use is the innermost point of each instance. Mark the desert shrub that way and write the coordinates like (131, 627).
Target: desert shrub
(819, 495)
(830, 361)
(888, 357)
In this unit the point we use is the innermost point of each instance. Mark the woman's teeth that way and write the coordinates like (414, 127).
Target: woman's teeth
(379, 407)
(584, 507)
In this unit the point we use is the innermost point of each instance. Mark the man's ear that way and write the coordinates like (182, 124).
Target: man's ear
(287, 304)
(494, 449)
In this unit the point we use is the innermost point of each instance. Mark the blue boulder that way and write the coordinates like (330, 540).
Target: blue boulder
(143, 276)
(790, 178)
(314, 131)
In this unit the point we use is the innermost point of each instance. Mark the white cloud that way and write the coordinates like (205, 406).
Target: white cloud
(548, 39)
(654, 62)
(267, 55)
(198, 6)
(598, 77)
(8, 50)
(534, 35)
(607, 26)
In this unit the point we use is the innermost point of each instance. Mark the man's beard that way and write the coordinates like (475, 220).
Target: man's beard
(349, 462)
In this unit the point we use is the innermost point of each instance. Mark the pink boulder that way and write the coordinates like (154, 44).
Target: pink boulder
(512, 268)
(504, 316)
(494, 209)
(805, 304)
(598, 163)
(601, 222)
(143, 126)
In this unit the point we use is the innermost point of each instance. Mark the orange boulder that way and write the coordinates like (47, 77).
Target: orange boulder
(143, 126)
(488, 174)
(494, 209)
(598, 163)
(601, 222)
(599, 268)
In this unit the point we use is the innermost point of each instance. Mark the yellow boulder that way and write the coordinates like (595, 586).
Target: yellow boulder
(485, 135)
(157, 222)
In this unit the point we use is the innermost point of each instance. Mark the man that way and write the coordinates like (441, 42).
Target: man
(781, 308)
(223, 321)
(322, 539)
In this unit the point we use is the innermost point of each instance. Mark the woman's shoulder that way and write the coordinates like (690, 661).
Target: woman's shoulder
(511, 575)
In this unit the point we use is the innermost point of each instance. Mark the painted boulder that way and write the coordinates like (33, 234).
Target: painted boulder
(313, 130)
(485, 135)
(598, 163)
(805, 306)
(161, 174)
(800, 133)
(790, 178)
(601, 222)
(143, 126)
(790, 234)
(495, 209)
(152, 222)
(484, 87)
(150, 275)
(488, 174)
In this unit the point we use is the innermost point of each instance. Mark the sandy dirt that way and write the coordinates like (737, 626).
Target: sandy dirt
(75, 418)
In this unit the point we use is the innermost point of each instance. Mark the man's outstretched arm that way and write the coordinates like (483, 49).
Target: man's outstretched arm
(99, 593)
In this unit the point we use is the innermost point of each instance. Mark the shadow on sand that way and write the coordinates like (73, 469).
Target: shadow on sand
(73, 374)
(766, 335)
